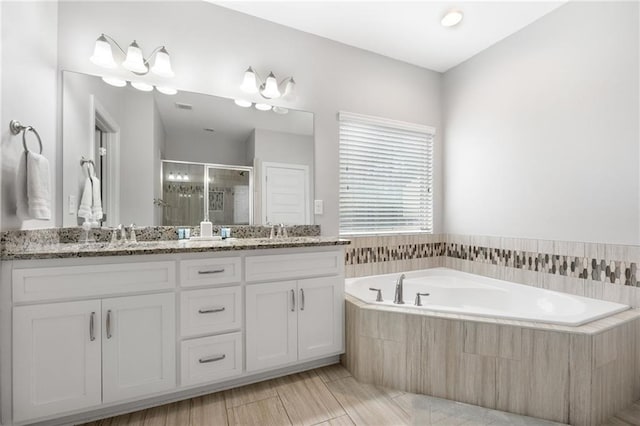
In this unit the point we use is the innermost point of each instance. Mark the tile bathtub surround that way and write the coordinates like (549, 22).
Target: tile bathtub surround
(372, 255)
(580, 375)
(14, 240)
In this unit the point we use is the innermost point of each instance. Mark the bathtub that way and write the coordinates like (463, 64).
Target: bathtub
(456, 292)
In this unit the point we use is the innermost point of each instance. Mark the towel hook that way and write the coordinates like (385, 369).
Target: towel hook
(16, 128)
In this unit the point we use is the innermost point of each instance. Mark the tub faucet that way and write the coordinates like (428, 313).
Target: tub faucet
(398, 300)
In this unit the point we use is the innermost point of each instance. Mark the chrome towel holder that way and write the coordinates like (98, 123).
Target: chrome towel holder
(16, 128)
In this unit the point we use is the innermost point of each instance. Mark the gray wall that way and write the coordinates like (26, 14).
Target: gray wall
(204, 147)
(210, 54)
(541, 132)
(29, 88)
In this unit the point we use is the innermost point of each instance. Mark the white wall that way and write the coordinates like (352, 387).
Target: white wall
(541, 133)
(204, 147)
(212, 46)
(29, 87)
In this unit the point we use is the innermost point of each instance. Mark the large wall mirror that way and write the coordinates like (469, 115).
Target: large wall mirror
(178, 159)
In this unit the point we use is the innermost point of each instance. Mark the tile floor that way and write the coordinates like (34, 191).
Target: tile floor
(327, 396)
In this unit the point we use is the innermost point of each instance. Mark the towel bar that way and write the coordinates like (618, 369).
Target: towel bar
(16, 128)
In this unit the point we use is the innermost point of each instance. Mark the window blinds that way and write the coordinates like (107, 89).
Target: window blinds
(386, 175)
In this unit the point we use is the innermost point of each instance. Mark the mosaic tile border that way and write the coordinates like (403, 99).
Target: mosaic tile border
(581, 267)
(390, 253)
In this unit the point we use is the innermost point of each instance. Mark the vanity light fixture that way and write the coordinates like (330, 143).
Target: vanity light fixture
(171, 176)
(135, 62)
(242, 103)
(263, 107)
(268, 88)
(452, 18)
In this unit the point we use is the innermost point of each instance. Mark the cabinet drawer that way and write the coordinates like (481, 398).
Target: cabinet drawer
(33, 284)
(287, 266)
(198, 272)
(210, 311)
(211, 358)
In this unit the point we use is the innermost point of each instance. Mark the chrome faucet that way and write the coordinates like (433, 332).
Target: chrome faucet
(398, 300)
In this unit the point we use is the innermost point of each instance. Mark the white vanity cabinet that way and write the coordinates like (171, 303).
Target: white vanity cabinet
(82, 335)
(294, 320)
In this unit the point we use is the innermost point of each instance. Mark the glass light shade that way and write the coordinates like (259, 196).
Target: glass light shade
(113, 81)
(102, 54)
(171, 176)
(166, 90)
(142, 86)
(186, 177)
(263, 107)
(179, 177)
(249, 84)
(280, 110)
(242, 103)
(162, 64)
(135, 61)
(452, 18)
(290, 89)
(270, 89)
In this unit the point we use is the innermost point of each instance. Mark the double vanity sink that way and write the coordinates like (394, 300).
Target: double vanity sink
(91, 330)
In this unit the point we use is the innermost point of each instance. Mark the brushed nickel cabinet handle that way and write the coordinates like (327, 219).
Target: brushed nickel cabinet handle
(109, 324)
(302, 299)
(211, 310)
(92, 335)
(212, 358)
(293, 300)
(211, 271)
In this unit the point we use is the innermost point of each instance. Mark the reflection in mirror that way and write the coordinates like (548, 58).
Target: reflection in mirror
(130, 135)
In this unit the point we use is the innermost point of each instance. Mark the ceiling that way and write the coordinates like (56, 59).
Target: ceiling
(407, 31)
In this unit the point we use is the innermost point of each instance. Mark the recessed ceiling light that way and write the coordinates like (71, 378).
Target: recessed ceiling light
(208, 129)
(452, 18)
(117, 82)
(263, 107)
(242, 103)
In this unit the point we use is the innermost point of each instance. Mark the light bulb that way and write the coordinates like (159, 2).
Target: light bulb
(263, 107)
(186, 177)
(452, 18)
(242, 103)
(166, 90)
(102, 54)
(142, 86)
(162, 64)
(171, 176)
(270, 90)
(113, 81)
(289, 89)
(249, 83)
(135, 61)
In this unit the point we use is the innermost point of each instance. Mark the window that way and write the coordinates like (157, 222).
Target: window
(386, 170)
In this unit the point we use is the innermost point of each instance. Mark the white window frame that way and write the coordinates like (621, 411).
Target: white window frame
(350, 126)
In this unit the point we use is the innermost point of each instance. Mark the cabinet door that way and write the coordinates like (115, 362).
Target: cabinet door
(139, 346)
(56, 358)
(271, 325)
(320, 317)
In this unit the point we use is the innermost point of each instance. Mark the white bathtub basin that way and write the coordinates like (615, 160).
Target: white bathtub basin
(462, 293)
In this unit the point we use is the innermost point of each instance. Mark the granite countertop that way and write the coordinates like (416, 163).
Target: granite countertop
(71, 250)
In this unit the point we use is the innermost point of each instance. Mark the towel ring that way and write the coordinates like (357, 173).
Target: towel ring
(16, 128)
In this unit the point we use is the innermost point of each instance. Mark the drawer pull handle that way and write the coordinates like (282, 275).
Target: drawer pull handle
(211, 310)
(109, 324)
(92, 335)
(302, 299)
(211, 271)
(212, 358)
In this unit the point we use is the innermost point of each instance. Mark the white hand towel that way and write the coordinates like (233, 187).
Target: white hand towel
(96, 206)
(86, 201)
(33, 187)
